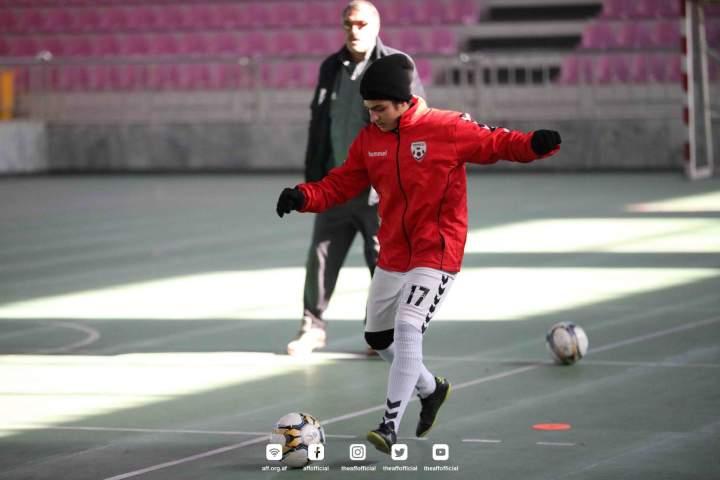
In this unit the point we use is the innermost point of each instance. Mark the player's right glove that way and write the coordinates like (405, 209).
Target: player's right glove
(544, 141)
(290, 199)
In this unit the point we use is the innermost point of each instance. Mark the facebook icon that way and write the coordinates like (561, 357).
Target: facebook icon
(316, 451)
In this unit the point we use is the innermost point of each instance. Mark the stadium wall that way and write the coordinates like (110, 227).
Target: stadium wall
(622, 144)
(23, 147)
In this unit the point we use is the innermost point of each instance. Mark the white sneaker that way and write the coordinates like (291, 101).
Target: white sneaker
(307, 341)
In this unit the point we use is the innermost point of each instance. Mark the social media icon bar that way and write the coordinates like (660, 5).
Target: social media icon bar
(273, 451)
(316, 451)
(399, 451)
(440, 451)
(358, 452)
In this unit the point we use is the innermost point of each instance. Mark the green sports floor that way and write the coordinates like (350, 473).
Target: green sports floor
(143, 321)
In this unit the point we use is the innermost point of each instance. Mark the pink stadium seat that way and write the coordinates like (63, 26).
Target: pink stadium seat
(106, 45)
(8, 21)
(286, 42)
(287, 14)
(436, 12)
(22, 79)
(320, 12)
(424, 69)
(408, 12)
(171, 17)
(712, 10)
(135, 44)
(667, 34)
(31, 21)
(114, 19)
(88, 19)
(611, 68)
(655, 66)
(673, 72)
(163, 44)
(143, 18)
(640, 68)
(99, 78)
(712, 31)
(576, 69)
(52, 44)
(4, 51)
(201, 17)
(293, 74)
(70, 78)
(194, 76)
(254, 43)
(231, 16)
(668, 8)
(318, 41)
(223, 43)
(412, 41)
(569, 70)
(78, 46)
(229, 76)
(642, 9)
(599, 35)
(389, 37)
(614, 9)
(443, 41)
(162, 77)
(463, 11)
(193, 43)
(259, 13)
(60, 20)
(22, 46)
(336, 38)
(634, 35)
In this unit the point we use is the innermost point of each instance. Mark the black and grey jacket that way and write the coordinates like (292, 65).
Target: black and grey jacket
(318, 155)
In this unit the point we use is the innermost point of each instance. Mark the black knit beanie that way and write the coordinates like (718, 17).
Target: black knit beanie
(388, 78)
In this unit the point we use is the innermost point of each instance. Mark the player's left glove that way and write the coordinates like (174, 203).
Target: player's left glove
(290, 199)
(545, 141)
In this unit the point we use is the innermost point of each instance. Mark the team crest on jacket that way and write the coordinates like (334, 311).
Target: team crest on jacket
(418, 150)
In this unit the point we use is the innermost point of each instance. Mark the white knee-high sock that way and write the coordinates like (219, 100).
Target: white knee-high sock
(404, 372)
(426, 381)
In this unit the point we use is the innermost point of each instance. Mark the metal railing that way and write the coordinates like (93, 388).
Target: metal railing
(242, 89)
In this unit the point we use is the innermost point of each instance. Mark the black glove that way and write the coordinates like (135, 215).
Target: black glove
(544, 141)
(290, 199)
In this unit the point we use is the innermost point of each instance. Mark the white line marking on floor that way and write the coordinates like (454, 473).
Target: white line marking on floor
(556, 444)
(460, 386)
(27, 331)
(660, 333)
(191, 458)
(146, 430)
(481, 440)
(586, 361)
(91, 337)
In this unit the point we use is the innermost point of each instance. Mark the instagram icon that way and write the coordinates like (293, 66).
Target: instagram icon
(357, 452)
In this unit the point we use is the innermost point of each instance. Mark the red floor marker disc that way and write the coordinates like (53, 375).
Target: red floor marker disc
(552, 426)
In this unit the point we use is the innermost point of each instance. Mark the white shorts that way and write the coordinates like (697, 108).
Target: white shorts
(413, 297)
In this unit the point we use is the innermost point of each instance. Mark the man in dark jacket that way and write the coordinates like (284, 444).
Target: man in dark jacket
(338, 115)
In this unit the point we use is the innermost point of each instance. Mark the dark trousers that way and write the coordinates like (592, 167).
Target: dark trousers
(333, 233)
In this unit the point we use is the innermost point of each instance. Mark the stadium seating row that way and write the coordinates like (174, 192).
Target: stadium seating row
(638, 9)
(632, 34)
(176, 76)
(438, 40)
(224, 15)
(633, 68)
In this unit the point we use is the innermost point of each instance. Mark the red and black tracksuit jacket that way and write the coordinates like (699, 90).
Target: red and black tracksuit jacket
(418, 171)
